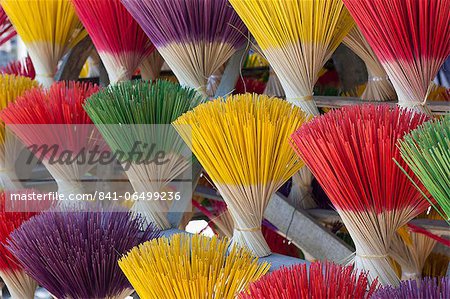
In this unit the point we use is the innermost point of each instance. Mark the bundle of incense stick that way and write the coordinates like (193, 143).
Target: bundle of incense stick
(195, 37)
(411, 38)
(438, 93)
(428, 288)
(350, 151)
(151, 66)
(378, 87)
(11, 87)
(119, 40)
(82, 249)
(318, 280)
(23, 68)
(19, 284)
(242, 143)
(140, 113)
(53, 124)
(190, 267)
(219, 216)
(297, 37)
(6, 28)
(411, 250)
(425, 150)
(49, 29)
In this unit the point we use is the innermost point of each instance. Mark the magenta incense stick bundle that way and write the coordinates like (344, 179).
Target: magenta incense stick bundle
(194, 37)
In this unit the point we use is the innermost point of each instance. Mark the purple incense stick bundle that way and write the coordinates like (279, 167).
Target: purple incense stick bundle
(75, 254)
(195, 37)
(428, 288)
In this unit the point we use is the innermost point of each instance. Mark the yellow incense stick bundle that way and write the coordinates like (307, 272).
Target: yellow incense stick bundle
(49, 29)
(297, 37)
(188, 267)
(243, 144)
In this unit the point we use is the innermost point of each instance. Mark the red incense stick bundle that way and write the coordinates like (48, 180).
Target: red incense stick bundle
(411, 38)
(120, 41)
(350, 151)
(22, 68)
(324, 281)
(54, 125)
(19, 284)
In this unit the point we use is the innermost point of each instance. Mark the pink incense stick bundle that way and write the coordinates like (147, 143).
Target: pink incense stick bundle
(350, 151)
(411, 38)
(120, 41)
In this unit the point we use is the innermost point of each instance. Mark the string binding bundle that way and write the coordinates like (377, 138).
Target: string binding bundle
(297, 37)
(119, 40)
(426, 151)
(82, 248)
(241, 141)
(318, 280)
(49, 29)
(195, 38)
(411, 38)
(140, 111)
(11, 87)
(378, 87)
(190, 267)
(19, 284)
(350, 151)
(53, 123)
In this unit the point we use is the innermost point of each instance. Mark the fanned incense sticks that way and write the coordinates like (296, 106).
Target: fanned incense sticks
(297, 37)
(19, 284)
(138, 106)
(82, 249)
(242, 143)
(49, 29)
(11, 87)
(23, 68)
(53, 123)
(195, 37)
(120, 42)
(427, 152)
(410, 250)
(378, 87)
(350, 151)
(190, 267)
(411, 38)
(318, 280)
(429, 288)
(6, 28)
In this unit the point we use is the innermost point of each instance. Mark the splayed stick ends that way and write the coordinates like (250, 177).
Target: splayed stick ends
(190, 267)
(318, 280)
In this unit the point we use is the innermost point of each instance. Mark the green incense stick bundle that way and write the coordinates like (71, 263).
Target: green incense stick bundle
(134, 117)
(426, 150)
